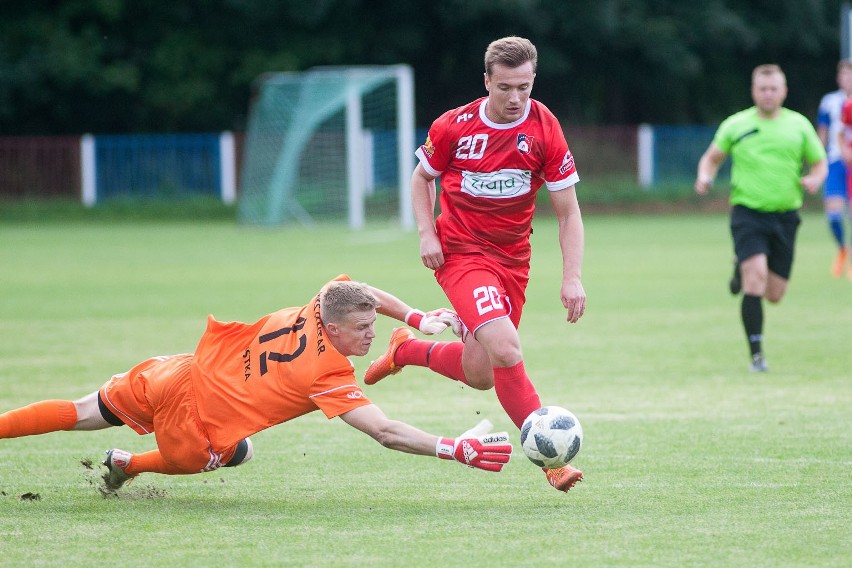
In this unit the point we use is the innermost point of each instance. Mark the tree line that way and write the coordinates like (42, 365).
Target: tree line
(115, 66)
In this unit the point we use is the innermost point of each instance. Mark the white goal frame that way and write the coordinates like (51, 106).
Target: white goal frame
(359, 80)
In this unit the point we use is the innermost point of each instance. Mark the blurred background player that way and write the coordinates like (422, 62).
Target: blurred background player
(768, 145)
(492, 156)
(844, 143)
(243, 378)
(836, 193)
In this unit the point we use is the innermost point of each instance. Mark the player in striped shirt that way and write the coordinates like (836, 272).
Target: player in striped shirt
(832, 133)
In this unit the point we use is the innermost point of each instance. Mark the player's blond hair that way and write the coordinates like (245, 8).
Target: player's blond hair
(844, 64)
(767, 69)
(511, 51)
(341, 298)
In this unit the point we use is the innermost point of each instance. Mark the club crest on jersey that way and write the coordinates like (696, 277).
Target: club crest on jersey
(428, 147)
(567, 163)
(524, 143)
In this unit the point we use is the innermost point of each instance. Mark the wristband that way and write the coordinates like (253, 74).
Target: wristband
(413, 318)
(444, 448)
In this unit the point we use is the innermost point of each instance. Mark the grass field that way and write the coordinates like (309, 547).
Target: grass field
(689, 459)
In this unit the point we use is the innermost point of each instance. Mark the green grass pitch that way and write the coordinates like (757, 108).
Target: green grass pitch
(689, 459)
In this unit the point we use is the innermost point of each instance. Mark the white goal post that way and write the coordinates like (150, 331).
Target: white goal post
(330, 143)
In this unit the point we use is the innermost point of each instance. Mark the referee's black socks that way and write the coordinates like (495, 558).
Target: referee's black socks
(752, 314)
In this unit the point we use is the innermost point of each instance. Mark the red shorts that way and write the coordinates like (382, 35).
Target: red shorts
(482, 290)
(156, 396)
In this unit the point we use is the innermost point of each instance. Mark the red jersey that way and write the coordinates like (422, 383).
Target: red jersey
(846, 112)
(247, 377)
(490, 174)
(846, 119)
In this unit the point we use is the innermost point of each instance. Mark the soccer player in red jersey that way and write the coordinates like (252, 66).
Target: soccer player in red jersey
(242, 378)
(492, 156)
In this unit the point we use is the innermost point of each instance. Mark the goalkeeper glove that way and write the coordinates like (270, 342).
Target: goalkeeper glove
(447, 317)
(477, 448)
(434, 322)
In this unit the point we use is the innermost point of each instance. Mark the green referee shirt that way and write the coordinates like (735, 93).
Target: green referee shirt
(768, 155)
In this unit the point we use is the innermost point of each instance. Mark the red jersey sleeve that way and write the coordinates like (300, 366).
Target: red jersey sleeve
(559, 168)
(434, 154)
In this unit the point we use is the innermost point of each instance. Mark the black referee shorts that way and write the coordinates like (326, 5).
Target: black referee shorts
(773, 234)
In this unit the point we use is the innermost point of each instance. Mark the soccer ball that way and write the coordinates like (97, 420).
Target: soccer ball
(551, 436)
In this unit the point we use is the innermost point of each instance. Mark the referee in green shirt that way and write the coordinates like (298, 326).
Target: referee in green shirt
(768, 145)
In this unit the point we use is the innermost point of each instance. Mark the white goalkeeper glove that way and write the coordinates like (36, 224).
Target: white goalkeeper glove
(434, 322)
(447, 317)
(477, 448)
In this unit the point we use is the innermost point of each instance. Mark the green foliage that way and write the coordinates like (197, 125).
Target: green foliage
(689, 459)
(107, 66)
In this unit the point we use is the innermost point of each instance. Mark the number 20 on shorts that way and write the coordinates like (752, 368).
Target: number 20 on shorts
(487, 299)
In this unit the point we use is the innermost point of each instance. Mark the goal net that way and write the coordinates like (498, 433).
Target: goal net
(330, 144)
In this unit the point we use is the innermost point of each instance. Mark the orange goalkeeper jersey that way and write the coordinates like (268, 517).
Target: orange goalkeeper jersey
(248, 377)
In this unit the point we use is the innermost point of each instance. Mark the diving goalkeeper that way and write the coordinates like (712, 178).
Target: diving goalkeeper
(242, 378)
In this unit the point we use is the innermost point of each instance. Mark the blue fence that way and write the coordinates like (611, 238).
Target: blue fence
(161, 165)
(676, 151)
(385, 172)
(140, 166)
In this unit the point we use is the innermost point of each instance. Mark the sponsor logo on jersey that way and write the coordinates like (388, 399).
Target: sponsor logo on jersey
(524, 143)
(428, 148)
(500, 184)
(464, 117)
(567, 163)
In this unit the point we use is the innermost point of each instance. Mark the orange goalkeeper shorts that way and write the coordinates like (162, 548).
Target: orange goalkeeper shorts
(156, 396)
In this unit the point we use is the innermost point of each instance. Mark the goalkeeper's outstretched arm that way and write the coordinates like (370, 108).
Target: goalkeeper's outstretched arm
(475, 448)
(390, 305)
(430, 323)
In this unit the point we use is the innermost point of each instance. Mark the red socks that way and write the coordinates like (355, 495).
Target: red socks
(514, 389)
(516, 392)
(443, 357)
(38, 418)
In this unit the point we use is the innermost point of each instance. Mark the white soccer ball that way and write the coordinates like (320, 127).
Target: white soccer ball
(551, 436)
